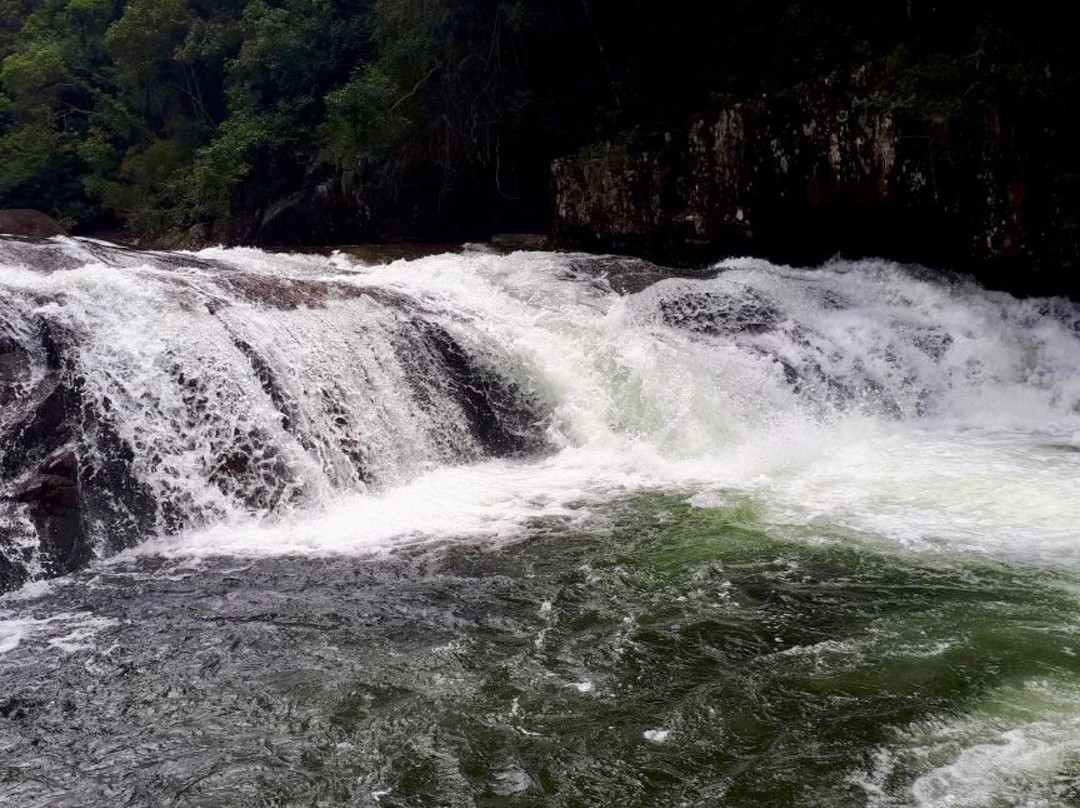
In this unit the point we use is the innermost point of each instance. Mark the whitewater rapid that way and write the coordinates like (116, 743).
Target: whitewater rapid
(927, 412)
(887, 400)
(823, 516)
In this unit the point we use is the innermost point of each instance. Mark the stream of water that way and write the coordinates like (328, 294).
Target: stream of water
(548, 530)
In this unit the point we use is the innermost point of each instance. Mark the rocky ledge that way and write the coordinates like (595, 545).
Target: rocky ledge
(826, 168)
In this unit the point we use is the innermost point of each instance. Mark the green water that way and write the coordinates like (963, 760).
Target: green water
(782, 667)
(787, 667)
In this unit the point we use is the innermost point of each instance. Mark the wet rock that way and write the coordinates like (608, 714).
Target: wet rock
(57, 510)
(65, 473)
(739, 311)
(49, 257)
(292, 293)
(12, 573)
(40, 464)
(198, 237)
(513, 242)
(381, 254)
(504, 420)
(37, 424)
(626, 276)
(29, 224)
(14, 370)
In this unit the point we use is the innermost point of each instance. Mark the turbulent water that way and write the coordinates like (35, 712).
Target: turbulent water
(544, 529)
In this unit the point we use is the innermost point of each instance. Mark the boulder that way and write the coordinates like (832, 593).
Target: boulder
(29, 224)
(198, 237)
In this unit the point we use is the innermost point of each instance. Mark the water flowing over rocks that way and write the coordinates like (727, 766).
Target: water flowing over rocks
(150, 392)
(229, 395)
(475, 526)
(801, 175)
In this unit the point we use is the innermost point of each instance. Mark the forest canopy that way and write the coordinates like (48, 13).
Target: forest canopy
(154, 115)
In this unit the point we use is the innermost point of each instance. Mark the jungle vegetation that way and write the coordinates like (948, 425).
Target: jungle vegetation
(154, 115)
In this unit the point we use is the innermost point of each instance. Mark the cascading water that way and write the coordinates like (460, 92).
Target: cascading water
(200, 390)
(711, 488)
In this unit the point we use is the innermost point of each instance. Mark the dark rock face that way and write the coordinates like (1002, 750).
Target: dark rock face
(40, 464)
(500, 416)
(512, 242)
(64, 468)
(53, 494)
(29, 224)
(801, 176)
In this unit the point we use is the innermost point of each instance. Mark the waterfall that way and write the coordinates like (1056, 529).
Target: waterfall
(147, 393)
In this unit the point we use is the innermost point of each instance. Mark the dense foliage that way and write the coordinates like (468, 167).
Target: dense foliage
(158, 114)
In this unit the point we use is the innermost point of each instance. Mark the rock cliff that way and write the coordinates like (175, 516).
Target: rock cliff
(827, 168)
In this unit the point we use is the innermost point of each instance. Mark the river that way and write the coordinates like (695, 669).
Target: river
(545, 530)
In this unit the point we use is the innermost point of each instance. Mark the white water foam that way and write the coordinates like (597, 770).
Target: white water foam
(1026, 756)
(79, 629)
(929, 413)
(863, 395)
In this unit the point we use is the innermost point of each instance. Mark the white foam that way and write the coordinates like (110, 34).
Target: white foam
(1016, 750)
(32, 590)
(82, 638)
(81, 629)
(639, 404)
(984, 773)
(12, 633)
(927, 413)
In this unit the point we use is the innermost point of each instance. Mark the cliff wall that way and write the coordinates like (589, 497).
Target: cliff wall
(828, 168)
